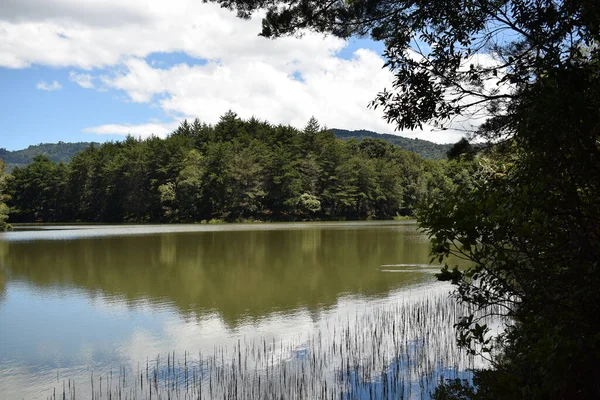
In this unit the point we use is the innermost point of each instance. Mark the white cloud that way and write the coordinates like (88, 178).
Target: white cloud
(48, 87)
(141, 130)
(83, 80)
(336, 94)
(100, 13)
(243, 72)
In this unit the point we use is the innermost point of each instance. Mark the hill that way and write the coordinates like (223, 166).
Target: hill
(57, 152)
(62, 151)
(424, 148)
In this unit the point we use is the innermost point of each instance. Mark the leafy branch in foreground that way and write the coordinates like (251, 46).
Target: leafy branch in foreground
(450, 59)
(530, 222)
(526, 73)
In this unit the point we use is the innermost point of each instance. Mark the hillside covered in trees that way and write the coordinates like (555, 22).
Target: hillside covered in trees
(56, 152)
(424, 148)
(64, 152)
(235, 170)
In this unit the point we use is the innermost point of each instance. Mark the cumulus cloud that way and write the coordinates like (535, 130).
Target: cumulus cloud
(101, 13)
(284, 81)
(48, 87)
(337, 94)
(140, 130)
(83, 80)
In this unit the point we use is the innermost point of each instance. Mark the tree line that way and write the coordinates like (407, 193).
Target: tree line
(236, 170)
(4, 225)
(65, 151)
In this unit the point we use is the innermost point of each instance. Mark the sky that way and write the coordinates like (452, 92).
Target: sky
(97, 70)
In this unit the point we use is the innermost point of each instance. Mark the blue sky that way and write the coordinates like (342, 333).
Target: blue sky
(96, 70)
(33, 116)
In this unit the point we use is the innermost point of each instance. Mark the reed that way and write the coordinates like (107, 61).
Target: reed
(398, 351)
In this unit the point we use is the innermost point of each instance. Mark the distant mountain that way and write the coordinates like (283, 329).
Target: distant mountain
(424, 148)
(57, 152)
(62, 151)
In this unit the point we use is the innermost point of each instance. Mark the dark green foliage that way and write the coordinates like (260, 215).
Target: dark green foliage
(427, 150)
(235, 170)
(486, 385)
(200, 133)
(38, 190)
(454, 389)
(4, 225)
(530, 221)
(461, 150)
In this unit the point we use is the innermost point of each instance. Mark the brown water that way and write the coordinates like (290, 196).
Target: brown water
(79, 300)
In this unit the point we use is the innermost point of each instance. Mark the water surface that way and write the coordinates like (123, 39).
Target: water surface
(78, 300)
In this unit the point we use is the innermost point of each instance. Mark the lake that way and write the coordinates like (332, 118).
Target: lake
(292, 310)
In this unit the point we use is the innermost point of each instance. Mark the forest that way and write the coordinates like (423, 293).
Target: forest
(236, 170)
(65, 151)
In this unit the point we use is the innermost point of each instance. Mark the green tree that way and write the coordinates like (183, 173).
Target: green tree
(229, 127)
(84, 185)
(164, 160)
(530, 222)
(390, 193)
(283, 181)
(310, 131)
(461, 149)
(37, 191)
(248, 183)
(216, 183)
(4, 210)
(188, 192)
(333, 186)
(130, 181)
(308, 205)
